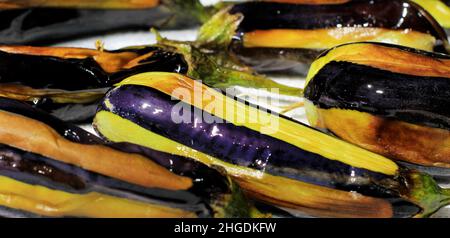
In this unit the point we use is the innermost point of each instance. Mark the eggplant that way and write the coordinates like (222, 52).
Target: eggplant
(69, 82)
(55, 169)
(285, 36)
(439, 9)
(42, 22)
(388, 99)
(274, 159)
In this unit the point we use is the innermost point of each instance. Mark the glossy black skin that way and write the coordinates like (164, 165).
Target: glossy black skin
(209, 184)
(38, 71)
(238, 145)
(367, 13)
(34, 169)
(358, 13)
(447, 2)
(414, 99)
(48, 72)
(49, 25)
(69, 112)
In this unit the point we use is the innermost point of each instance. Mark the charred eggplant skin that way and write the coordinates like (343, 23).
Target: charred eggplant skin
(285, 28)
(245, 152)
(258, 16)
(69, 82)
(409, 100)
(209, 191)
(82, 69)
(37, 22)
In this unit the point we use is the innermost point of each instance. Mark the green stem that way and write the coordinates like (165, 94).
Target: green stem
(425, 192)
(235, 204)
(220, 70)
(219, 30)
(236, 78)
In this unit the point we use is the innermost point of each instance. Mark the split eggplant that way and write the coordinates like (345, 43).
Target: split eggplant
(288, 35)
(439, 9)
(389, 99)
(68, 82)
(274, 159)
(54, 169)
(38, 22)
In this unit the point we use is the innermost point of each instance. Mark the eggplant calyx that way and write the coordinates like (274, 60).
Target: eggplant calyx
(191, 7)
(220, 30)
(235, 205)
(426, 193)
(220, 70)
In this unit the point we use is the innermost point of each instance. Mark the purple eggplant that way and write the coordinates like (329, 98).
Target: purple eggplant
(385, 98)
(286, 35)
(69, 82)
(42, 22)
(46, 166)
(291, 166)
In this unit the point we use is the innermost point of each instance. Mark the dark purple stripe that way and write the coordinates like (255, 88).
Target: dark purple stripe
(208, 183)
(242, 146)
(415, 99)
(35, 169)
(387, 14)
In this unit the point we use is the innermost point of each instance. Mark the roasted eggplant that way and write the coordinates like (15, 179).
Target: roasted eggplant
(274, 159)
(38, 22)
(439, 9)
(289, 35)
(389, 99)
(68, 82)
(55, 169)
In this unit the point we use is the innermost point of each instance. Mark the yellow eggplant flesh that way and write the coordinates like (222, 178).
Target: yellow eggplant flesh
(32, 135)
(394, 139)
(385, 98)
(438, 9)
(328, 38)
(53, 203)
